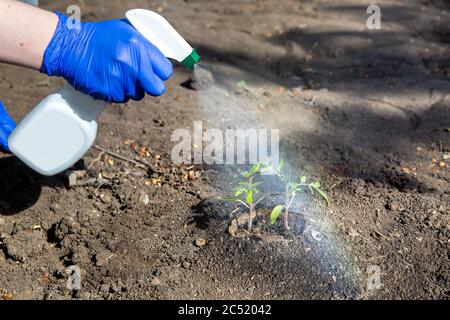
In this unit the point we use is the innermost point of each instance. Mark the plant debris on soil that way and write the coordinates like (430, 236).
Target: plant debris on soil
(362, 111)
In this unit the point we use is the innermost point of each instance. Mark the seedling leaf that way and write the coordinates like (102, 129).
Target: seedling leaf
(239, 191)
(255, 169)
(316, 187)
(316, 184)
(303, 179)
(246, 174)
(275, 214)
(252, 171)
(249, 198)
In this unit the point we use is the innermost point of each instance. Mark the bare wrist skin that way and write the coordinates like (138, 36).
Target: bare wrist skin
(26, 33)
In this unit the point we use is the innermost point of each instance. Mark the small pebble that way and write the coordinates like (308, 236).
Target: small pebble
(73, 179)
(200, 242)
(106, 198)
(104, 287)
(353, 233)
(156, 282)
(103, 257)
(144, 199)
(55, 207)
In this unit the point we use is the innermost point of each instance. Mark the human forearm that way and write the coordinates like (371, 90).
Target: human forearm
(26, 32)
(109, 60)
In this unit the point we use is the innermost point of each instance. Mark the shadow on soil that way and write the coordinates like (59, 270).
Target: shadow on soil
(342, 57)
(20, 187)
(362, 138)
(361, 144)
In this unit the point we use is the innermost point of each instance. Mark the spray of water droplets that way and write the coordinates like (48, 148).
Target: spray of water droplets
(229, 103)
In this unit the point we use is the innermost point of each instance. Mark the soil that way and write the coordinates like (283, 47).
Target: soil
(363, 111)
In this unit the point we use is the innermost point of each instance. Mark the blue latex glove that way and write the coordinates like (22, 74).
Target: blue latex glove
(7, 125)
(108, 60)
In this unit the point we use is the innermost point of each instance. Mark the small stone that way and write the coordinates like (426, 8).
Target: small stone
(80, 255)
(406, 170)
(201, 195)
(144, 199)
(2, 221)
(392, 206)
(73, 177)
(233, 228)
(104, 288)
(102, 257)
(353, 233)
(186, 264)
(156, 282)
(106, 198)
(55, 207)
(115, 288)
(200, 242)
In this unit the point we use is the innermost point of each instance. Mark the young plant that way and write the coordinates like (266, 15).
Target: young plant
(291, 190)
(245, 192)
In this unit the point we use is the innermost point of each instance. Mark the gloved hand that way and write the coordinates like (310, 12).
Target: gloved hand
(108, 60)
(7, 125)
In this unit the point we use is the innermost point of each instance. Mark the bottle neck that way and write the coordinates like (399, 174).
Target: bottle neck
(84, 106)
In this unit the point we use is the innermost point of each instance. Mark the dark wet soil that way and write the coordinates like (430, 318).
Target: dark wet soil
(362, 111)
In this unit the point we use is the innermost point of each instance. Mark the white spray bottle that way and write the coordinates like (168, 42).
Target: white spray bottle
(63, 126)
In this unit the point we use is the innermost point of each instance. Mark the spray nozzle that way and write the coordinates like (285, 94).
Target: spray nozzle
(160, 32)
(191, 60)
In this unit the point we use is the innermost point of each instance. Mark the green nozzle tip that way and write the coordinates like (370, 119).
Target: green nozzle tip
(191, 60)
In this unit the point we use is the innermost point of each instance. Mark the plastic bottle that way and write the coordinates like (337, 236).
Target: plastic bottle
(62, 127)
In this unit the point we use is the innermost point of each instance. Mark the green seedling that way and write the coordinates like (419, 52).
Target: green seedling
(291, 190)
(245, 193)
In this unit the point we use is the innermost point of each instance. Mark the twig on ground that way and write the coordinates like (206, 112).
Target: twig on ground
(380, 234)
(88, 182)
(337, 183)
(120, 157)
(101, 184)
